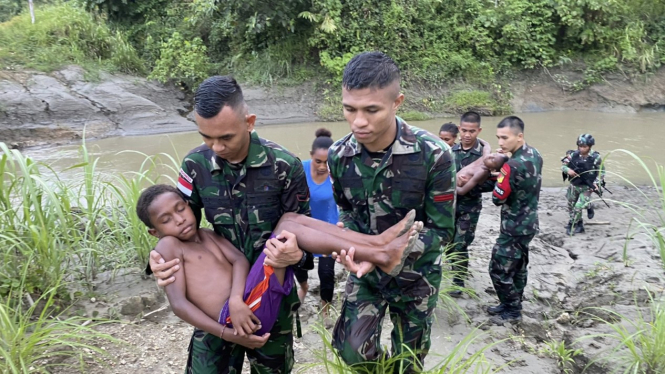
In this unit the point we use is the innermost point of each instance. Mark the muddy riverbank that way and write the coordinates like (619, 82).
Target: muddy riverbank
(567, 277)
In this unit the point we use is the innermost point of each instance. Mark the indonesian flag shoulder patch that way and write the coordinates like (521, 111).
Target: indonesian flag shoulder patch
(502, 187)
(185, 183)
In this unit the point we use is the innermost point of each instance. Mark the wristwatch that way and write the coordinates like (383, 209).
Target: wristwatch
(303, 259)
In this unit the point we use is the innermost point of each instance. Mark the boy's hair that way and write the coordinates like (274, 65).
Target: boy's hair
(370, 70)
(449, 127)
(215, 93)
(470, 117)
(512, 122)
(147, 197)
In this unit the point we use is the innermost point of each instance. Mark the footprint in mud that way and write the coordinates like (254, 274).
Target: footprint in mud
(552, 239)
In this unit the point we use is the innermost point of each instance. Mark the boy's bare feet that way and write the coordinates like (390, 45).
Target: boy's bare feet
(397, 230)
(400, 249)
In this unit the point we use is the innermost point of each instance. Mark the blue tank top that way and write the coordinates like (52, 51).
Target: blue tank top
(321, 198)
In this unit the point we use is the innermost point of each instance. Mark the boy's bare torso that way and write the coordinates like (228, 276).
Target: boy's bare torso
(208, 274)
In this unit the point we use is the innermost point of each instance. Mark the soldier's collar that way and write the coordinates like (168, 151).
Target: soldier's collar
(405, 142)
(476, 149)
(257, 156)
(520, 150)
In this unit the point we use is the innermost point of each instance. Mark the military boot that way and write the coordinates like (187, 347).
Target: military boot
(579, 227)
(569, 228)
(496, 310)
(510, 315)
(590, 213)
(458, 282)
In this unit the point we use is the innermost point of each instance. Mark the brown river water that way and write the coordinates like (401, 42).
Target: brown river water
(552, 133)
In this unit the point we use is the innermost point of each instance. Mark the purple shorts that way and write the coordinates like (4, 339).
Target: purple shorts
(263, 294)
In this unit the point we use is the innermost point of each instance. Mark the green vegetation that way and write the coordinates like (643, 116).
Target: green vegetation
(434, 42)
(460, 360)
(650, 226)
(639, 341)
(65, 34)
(564, 356)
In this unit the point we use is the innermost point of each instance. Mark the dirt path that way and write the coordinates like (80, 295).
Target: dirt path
(565, 275)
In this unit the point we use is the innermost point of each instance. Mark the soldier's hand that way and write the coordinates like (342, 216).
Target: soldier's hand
(282, 250)
(572, 173)
(162, 270)
(346, 259)
(250, 341)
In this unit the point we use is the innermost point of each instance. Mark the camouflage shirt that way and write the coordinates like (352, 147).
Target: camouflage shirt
(464, 158)
(245, 201)
(416, 172)
(517, 190)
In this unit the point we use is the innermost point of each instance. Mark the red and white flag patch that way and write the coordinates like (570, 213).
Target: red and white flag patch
(185, 183)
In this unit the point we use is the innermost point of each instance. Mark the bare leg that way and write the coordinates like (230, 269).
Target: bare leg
(386, 251)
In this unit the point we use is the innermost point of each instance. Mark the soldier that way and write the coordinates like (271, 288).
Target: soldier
(517, 191)
(584, 169)
(244, 183)
(467, 212)
(380, 171)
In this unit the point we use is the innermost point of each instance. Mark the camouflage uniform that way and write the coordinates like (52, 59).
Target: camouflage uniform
(517, 190)
(590, 171)
(374, 192)
(468, 209)
(244, 202)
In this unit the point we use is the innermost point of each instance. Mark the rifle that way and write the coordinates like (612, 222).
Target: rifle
(602, 185)
(597, 191)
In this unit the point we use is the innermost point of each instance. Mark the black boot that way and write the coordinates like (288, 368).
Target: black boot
(569, 228)
(579, 227)
(458, 282)
(496, 310)
(510, 314)
(590, 213)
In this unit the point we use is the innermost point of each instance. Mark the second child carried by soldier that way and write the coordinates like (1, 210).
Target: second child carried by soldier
(584, 169)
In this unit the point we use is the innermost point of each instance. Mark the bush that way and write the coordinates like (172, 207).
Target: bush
(65, 34)
(182, 61)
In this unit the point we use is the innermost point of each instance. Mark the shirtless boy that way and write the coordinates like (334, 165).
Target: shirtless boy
(478, 171)
(212, 266)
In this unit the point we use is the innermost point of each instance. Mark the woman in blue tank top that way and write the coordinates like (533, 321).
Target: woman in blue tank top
(324, 208)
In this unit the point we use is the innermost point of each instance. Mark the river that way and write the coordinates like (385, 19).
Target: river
(552, 133)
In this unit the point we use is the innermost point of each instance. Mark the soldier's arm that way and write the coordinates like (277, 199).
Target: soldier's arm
(503, 187)
(439, 203)
(600, 166)
(565, 162)
(346, 215)
(295, 198)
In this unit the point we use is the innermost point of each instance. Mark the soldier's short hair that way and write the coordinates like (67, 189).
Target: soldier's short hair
(513, 122)
(215, 93)
(470, 117)
(370, 70)
(147, 197)
(449, 127)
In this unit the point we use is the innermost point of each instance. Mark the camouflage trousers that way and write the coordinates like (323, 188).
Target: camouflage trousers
(579, 198)
(410, 298)
(466, 220)
(508, 267)
(208, 354)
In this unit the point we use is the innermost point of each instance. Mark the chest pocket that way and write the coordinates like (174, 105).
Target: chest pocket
(263, 206)
(409, 186)
(354, 191)
(263, 202)
(219, 211)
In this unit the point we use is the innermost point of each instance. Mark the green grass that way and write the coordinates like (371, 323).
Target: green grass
(65, 34)
(650, 227)
(35, 337)
(638, 342)
(481, 101)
